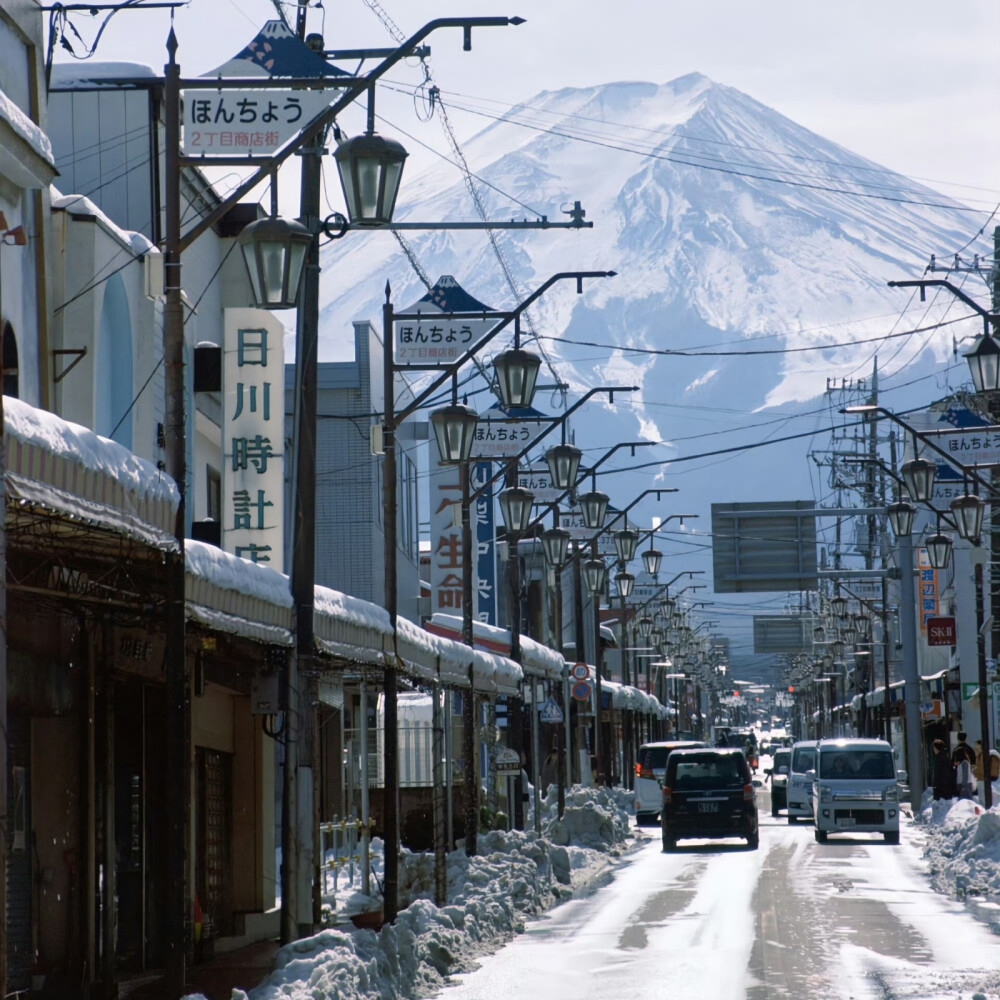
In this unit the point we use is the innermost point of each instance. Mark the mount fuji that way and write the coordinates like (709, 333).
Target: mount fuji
(731, 229)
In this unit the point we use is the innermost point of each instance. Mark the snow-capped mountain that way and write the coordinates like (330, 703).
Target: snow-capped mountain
(731, 228)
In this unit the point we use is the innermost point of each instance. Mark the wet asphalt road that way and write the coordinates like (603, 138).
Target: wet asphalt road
(853, 918)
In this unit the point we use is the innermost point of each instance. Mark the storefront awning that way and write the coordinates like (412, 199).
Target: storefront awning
(537, 660)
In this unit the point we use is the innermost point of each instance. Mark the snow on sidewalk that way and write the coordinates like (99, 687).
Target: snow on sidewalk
(514, 877)
(962, 846)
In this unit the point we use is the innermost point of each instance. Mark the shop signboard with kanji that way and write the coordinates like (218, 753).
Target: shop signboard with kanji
(499, 436)
(429, 336)
(446, 535)
(484, 532)
(928, 583)
(253, 422)
(539, 482)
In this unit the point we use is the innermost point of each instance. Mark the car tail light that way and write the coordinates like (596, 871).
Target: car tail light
(667, 795)
(641, 771)
(748, 793)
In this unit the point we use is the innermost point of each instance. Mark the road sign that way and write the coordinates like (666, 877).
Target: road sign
(969, 688)
(580, 672)
(581, 691)
(941, 632)
(549, 711)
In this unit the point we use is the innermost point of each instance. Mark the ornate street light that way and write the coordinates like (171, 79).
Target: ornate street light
(667, 606)
(651, 559)
(595, 575)
(594, 507)
(919, 476)
(370, 168)
(656, 635)
(555, 544)
(863, 625)
(626, 541)
(901, 517)
(454, 428)
(938, 550)
(984, 364)
(819, 634)
(848, 635)
(517, 373)
(564, 465)
(837, 649)
(838, 606)
(274, 251)
(515, 506)
(644, 626)
(968, 514)
(624, 582)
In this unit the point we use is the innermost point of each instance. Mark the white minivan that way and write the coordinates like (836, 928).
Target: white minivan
(855, 789)
(799, 781)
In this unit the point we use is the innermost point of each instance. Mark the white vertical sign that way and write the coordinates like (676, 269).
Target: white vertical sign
(253, 433)
(447, 557)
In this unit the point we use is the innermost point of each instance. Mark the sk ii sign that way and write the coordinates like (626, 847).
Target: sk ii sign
(941, 632)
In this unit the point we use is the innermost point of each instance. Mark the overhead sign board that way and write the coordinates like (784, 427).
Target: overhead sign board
(499, 436)
(429, 337)
(540, 483)
(572, 521)
(968, 446)
(781, 633)
(761, 547)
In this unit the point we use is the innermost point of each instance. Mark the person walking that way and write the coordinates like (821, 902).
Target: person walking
(943, 780)
(980, 770)
(963, 757)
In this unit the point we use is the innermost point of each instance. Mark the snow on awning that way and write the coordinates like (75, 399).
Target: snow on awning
(348, 627)
(25, 150)
(72, 471)
(230, 594)
(626, 697)
(537, 660)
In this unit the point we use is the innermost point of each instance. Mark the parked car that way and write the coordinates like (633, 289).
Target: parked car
(708, 792)
(649, 771)
(781, 764)
(799, 788)
(856, 789)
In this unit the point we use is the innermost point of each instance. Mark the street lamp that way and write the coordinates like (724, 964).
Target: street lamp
(938, 548)
(517, 373)
(626, 541)
(838, 606)
(370, 168)
(595, 575)
(863, 624)
(515, 506)
(594, 507)
(968, 513)
(919, 476)
(454, 428)
(274, 251)
(651, 559)
(645, 627)
(901, 515)
(984, 364)
(564, 465)
(624, 582)
(555, 544)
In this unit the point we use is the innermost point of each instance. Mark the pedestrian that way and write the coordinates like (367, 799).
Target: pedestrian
(980, 770)
(964, 759)
(550, 770)
(943, 780)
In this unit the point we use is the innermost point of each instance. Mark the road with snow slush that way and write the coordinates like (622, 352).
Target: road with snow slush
(854, 918)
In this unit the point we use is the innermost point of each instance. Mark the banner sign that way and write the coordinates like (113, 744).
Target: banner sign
(499, 436)
(446, 535)
(485, 586)
(928, 596)
(540, 483)
(969, 446)
(253, 434)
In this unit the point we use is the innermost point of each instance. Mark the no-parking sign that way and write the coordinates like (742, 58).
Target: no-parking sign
(581, 691)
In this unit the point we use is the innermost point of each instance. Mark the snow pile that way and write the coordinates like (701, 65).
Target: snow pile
(515, 876)
(596, 818)
(963, 846)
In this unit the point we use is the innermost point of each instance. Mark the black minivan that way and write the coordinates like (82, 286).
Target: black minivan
(708, 793)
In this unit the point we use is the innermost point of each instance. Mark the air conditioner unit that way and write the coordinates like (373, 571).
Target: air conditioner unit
(152, 265)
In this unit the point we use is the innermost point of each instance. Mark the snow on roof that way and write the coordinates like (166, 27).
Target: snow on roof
(80, 204)
(361, 613)
(31, 133)
(536, 657)
(232, 572)
(66, 76)
(78, 444)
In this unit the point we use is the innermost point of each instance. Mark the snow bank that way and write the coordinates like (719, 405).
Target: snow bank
(963, 845)
(515, 876)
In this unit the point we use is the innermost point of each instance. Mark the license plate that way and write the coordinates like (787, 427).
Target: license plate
(847, 821)
(708, 807)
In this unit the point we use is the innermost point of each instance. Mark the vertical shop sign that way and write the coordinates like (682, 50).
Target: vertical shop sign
(928, 590)
(253, 423)
(486, 549)
(446, 536)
